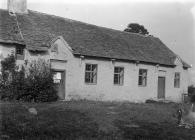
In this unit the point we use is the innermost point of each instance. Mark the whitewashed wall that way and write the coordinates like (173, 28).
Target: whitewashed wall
(7, 49)
(76, 88)
(106, 90)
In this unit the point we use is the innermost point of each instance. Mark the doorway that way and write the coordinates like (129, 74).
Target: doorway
(161, 87)
(59, 80)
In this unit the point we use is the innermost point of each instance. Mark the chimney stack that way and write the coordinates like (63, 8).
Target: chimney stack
(17, 6)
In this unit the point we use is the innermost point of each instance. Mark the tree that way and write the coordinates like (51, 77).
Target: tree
(31, 83)
(136, 28)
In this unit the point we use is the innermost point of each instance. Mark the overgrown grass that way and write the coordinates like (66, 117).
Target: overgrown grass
(92, 120)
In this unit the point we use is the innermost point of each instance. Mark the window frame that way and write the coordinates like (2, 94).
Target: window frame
(120, 76)
(177, 80)
(142, 76)
(91, 73)
(19, 53)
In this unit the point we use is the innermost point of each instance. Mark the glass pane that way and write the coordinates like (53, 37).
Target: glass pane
(121, 75)
(140, 72)
(175, 83)
(144, 73)
(87, 77)
(116, 69)
(144, 81)
(57, 77)
(121, 80)
(121, 72)
(178, 83)
(177, 80)
(94, 78)
(140, 80)
(94, 67)
(19, 51)
(88, 67)
(177, 76)
(116, 79)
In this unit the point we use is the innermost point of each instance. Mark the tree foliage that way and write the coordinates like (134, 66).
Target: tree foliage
(33, 82)
(136, 28)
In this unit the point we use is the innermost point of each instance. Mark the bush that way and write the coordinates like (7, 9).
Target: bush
(191, 93)
(34, 82)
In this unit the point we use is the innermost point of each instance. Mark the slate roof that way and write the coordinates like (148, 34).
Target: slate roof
(39, 29)
(8, 29)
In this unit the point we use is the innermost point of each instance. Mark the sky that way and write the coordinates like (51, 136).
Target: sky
(173, 21)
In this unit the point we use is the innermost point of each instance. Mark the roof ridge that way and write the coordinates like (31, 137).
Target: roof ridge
(51, 15)
(82, 22)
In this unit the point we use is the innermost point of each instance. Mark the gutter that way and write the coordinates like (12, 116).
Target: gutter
(124, 60)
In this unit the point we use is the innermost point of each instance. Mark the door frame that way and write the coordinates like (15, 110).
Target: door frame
(164, 87)
(64, 71)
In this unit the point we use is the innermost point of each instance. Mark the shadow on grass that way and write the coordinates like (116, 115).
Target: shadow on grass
(152, 131)
(91, 121)
(48, 124)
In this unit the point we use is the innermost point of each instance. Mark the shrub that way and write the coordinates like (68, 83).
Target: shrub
(39, 82)
(8, 69)
(34, 82)
(191, 93)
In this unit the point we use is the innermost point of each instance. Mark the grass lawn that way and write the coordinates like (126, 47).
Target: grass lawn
(84, 120)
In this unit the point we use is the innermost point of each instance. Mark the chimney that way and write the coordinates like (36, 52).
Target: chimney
(17, 6)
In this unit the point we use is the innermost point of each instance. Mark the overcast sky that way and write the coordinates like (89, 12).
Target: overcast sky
(172, 21)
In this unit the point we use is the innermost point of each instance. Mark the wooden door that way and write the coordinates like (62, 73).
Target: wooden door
(59, 80)
(161, 87)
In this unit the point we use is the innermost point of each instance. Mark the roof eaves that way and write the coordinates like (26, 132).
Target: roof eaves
(37, 48)
(12, 42)
(123, 60)
(186, 65)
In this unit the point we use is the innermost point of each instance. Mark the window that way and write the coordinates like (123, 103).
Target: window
(20, 53)
(55, 48)
(118, 75)
(177, 80)
(142, 81)
(57, 77)
(91, 73)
